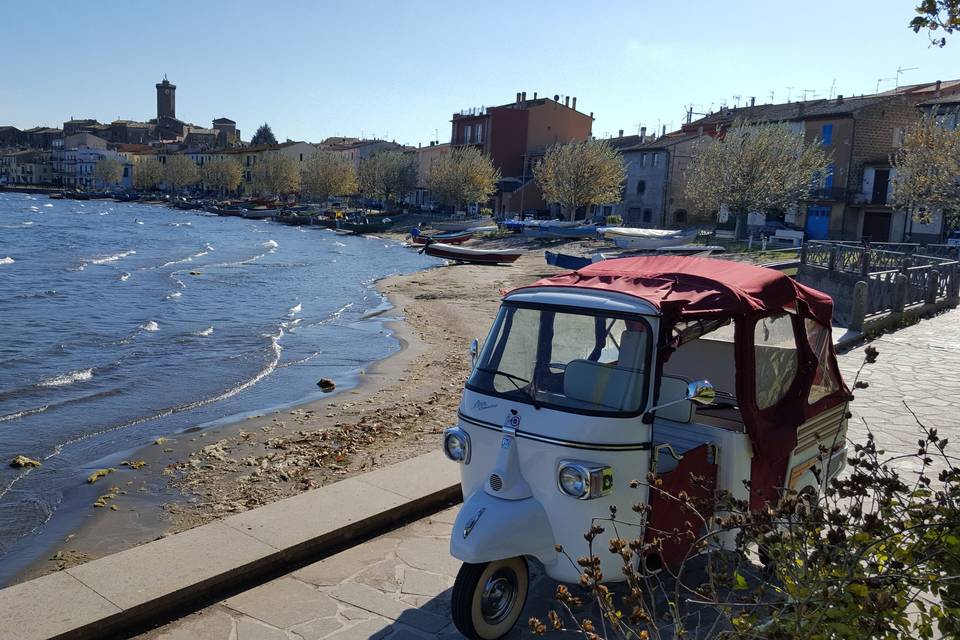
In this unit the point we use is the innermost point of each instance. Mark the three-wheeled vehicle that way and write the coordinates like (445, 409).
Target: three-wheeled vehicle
(692, 368)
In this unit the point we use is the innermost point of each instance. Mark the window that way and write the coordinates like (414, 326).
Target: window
(479, 137)
(641, 187)
(648, 215)
(824, 381)
(582, 361)
(643, 160)
(775, 358)
(828, 179)
(826, 134)
(467, 130)
(680, 216)
(301, 157)
(656, 159)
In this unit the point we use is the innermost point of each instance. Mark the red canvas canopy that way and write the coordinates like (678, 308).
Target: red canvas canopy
(688, 288)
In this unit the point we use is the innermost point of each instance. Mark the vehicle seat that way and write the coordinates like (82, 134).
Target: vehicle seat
(616, 385)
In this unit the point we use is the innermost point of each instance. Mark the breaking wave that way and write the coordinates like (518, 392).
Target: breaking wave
(124, 276)
(24, 413)
(205, 332)
(7, 260)
(113, 258)
(150, 325)
(67, 378)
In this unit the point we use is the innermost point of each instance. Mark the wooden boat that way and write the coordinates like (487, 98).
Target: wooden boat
(364, 225)
(259, 214)
(450, 237)
(460, 224)
(631, 238)
(475, 256)
(565, 261)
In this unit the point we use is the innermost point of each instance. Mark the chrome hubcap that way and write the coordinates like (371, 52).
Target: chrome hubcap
(499, 595)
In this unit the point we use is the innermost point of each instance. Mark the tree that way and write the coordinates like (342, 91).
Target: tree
(276, 174)
(928, 171)
(579, 174)
(180, 171)
(264, 135)
(463, 176)
(147, 173)
(108, 171)
(752, 168)
(388, 175)
(328, 174)
(937, 14)
(221, 174)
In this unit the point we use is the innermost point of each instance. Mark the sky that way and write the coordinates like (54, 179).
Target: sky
(399, 69)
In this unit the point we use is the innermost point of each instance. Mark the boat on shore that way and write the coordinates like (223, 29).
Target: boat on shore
(567, 261)
(475, 256)
(460, 224)
(636, 238)
(259, 214)
(450, 237)
(365, 225)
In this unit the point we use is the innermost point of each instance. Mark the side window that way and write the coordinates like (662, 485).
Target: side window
(824, 382)
(775, 358)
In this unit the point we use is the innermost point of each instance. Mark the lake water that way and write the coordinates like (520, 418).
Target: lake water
(121, 323)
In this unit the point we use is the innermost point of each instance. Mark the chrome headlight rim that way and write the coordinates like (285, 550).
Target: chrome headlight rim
(456, 434)
(581, 471)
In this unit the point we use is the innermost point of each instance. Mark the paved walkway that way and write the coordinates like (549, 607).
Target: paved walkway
(398, 586)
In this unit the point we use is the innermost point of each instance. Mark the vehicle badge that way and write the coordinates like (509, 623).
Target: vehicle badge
(513, 421)
(505, 443)
(473, 522)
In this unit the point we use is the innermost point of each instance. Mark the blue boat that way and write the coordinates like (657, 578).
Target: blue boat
(566, 261)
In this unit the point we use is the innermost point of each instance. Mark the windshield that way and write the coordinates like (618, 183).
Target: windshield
(576, 360)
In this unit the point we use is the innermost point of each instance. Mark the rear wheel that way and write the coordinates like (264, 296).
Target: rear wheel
(489, 597)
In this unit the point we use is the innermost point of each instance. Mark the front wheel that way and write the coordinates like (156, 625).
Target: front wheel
(489, 597)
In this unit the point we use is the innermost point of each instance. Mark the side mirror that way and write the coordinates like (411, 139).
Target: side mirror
(701, 392)
(474, 350)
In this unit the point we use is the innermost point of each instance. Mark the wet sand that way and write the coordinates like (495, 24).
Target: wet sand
(398, 411)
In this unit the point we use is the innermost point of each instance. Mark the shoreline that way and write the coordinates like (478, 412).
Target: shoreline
(397, 410)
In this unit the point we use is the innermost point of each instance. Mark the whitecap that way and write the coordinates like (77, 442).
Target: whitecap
(35, 209)
(103, 213)
(7, 260)
(113, 258)
(272, 244)
(150, 325)
(338, 243)
(139, 222)
(205, 332)
(174, 295)
(49, 206)
(294, 310)
(25, 412)
(124, 276)
(67, 378)
(27, 223)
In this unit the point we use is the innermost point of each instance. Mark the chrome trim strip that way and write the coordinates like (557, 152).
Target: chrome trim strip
(573, 444)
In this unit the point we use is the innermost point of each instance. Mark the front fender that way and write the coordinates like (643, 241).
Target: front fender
(489, 528)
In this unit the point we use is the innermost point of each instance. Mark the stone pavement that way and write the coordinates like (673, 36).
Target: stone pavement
(918, 365)
(398, 586)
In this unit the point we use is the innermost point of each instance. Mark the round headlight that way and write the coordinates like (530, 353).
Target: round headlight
(574, 481)
(456, 445)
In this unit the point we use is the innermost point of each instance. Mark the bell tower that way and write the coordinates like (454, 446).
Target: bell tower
(166, 99)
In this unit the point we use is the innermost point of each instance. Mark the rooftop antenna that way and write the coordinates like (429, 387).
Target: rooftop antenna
(901, 70)
(806, 91)
(772, 95)
(436, 135)
(879, 80)
(789, 93)
(736, 101)
(638, 127)
(833, 88)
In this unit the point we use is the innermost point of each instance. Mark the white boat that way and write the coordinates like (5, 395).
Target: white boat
(635, 238)
(460, 224)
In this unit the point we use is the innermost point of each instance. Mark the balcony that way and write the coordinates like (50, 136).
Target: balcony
(829, 194)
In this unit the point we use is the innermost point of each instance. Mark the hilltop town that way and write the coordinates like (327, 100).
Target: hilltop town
(851, 200)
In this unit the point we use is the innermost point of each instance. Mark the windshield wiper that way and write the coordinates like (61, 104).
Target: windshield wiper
(530, 393)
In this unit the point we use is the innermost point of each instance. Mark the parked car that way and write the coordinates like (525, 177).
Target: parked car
(953, 238)
(770, 228)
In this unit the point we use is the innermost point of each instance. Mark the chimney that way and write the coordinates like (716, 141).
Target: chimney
(839, 98)
(591, 115)
(664, 131)
(556, 97)
(518, 97)
(574, 103)
(534, 95)
(937, 94)
(643, 134)
(620, 135)
(753, 101)
(566, 101)
(523, 96)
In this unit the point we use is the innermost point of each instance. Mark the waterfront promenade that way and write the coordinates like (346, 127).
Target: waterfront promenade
(397, 586)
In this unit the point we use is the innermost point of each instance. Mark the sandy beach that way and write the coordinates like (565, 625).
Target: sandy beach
(397, 411)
